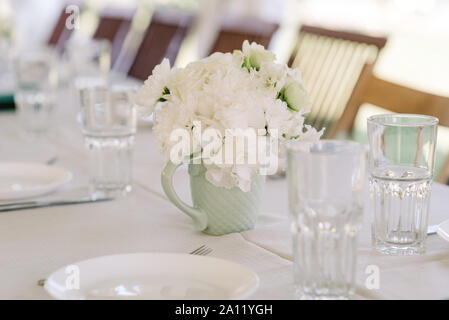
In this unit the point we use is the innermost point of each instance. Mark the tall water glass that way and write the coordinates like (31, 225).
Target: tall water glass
(109, 127)
(325, 182)
(402, 150)
(36, 82)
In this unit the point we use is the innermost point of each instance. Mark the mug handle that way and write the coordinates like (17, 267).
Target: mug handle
(199, 217)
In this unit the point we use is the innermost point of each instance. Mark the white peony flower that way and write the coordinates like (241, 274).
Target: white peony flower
(255, 54)
(154, 88)
(296, 96)
(274, 75)
(311, 134)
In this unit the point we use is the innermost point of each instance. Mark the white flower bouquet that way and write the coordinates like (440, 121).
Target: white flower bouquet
(243, 90)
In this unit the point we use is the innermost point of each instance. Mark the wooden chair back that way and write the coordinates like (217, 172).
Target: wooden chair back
(114, 25)
(235, 30)
(162, 39)
(331, 63)
(396, 98)
(60, 34)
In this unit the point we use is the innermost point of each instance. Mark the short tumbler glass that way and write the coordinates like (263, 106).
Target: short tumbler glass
(326, 182)
(109, 125)
(36, 83)
(402, 151)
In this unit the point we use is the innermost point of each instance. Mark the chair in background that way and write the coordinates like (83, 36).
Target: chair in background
(396, 98)
(114, 26)
(331, 63)
(61, 34)
(235, 30)
(162, 39)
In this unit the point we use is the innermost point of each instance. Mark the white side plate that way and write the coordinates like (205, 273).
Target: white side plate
(152, 276)
(443, 230)
(19, 180)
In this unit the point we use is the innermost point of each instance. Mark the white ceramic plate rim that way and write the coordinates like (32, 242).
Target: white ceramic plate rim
(63, 177)
(57, 290)
(443, 230)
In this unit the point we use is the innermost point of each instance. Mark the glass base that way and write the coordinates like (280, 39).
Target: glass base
(97, 193)
(399, 250)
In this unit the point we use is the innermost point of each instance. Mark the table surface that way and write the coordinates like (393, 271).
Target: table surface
(34, 243)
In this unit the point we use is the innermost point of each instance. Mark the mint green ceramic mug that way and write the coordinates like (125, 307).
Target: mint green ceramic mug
(215, 210)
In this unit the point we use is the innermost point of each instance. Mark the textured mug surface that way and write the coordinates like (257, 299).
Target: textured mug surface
(216, 210)
(227, 210)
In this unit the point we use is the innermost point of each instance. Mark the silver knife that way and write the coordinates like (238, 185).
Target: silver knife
(40, 204)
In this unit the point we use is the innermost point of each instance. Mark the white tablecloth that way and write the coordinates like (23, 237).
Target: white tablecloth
(33, 243)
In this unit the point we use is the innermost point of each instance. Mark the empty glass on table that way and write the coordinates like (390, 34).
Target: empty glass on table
(36, 83)
(402, 150)
(109, 127)
(326, 182)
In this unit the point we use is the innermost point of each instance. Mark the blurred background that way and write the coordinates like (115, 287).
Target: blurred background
(417, 30)
(358, 57)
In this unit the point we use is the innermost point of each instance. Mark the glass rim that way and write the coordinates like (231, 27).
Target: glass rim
(427, 121)
(352, 147)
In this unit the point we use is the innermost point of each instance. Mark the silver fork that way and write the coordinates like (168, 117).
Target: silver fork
(201, 251)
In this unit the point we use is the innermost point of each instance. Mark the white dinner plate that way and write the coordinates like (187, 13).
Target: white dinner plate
(152, 276)
(19, 180)
(443, 230)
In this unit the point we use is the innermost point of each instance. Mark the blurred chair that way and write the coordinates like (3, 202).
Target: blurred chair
(331, 63)
(114, 26)
(235, 30)
(60, 34)
(396, 98)
(162, 39)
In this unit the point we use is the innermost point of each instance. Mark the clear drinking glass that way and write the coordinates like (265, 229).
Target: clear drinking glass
(36, 83)
(109, 125)
(326, 182)
(402, 150)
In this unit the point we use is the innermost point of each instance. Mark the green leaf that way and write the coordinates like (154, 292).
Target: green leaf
(165, 91)
(280, 95)
(246, 64)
